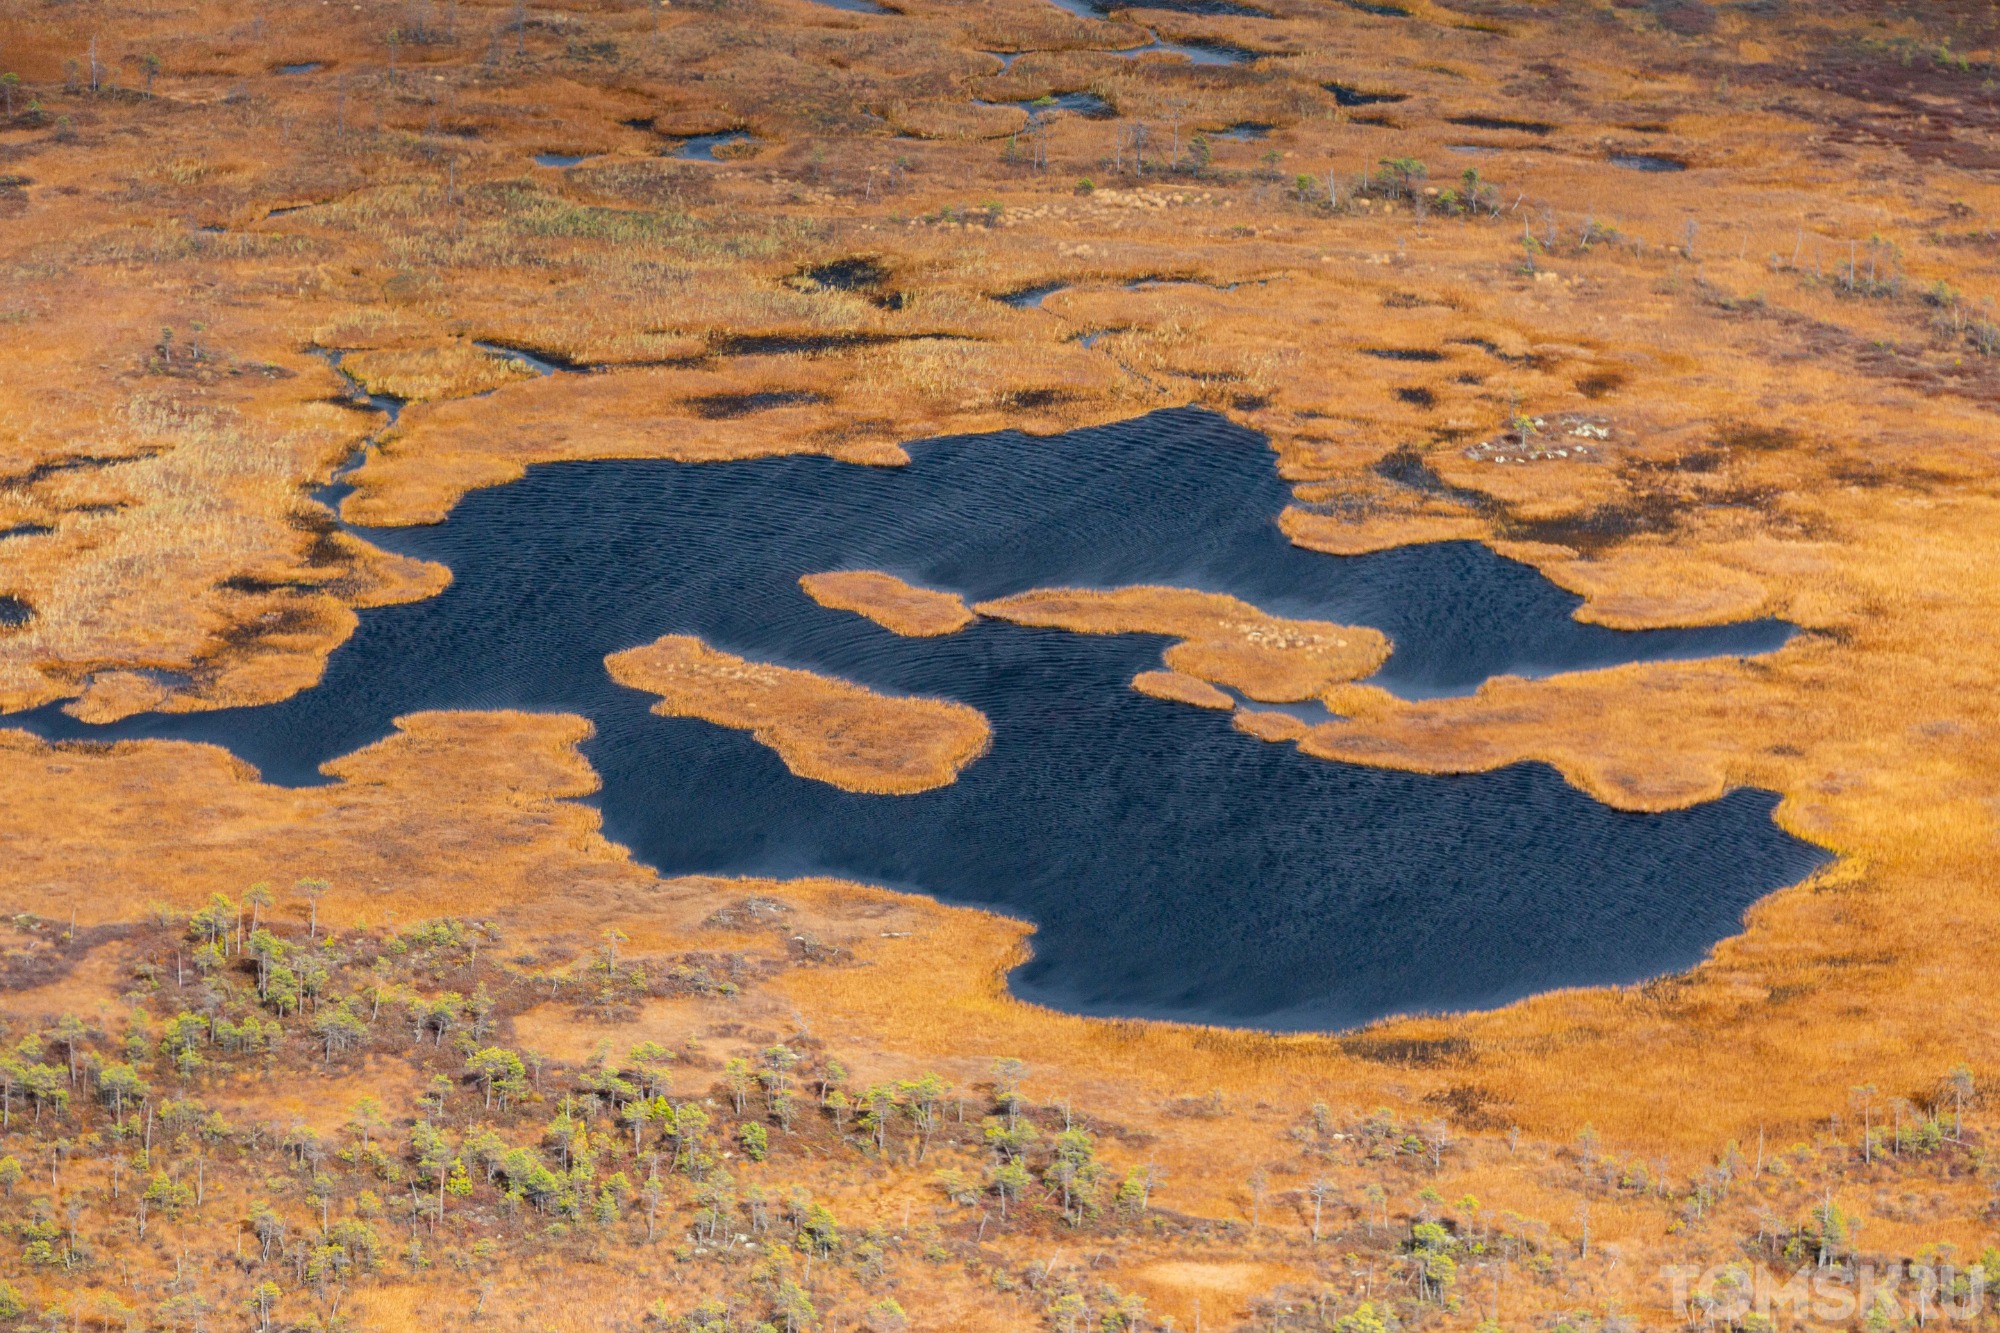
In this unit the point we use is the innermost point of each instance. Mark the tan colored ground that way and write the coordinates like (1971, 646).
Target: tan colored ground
(899, 607)
(454, 370)
(1181, 688)
(828, 730)
(1783, 356)
(1222, 639)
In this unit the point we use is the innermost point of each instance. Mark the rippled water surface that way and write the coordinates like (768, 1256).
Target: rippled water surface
(1175, 867)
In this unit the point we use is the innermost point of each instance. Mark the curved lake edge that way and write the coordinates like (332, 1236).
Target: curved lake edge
(1010, 977)
(1276, 1026)
(1132, 457)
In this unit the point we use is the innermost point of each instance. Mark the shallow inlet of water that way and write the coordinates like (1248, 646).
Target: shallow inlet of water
(701, 147)
(1195, 53)
(1175, 867)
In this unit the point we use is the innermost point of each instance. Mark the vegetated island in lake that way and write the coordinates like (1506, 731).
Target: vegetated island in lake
(899, 607)
(1223, 639)
(824, 729)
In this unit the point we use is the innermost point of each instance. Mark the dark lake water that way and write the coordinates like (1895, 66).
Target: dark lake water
(1175, 867)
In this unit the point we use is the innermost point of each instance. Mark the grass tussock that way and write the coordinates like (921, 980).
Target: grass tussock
(418, 374)
(1222, 639)
(1180, 687)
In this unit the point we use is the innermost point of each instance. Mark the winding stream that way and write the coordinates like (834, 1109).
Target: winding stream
(1175, 867)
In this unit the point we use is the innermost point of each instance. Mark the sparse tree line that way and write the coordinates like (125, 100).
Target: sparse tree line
(111, 1141)
(610, 1150)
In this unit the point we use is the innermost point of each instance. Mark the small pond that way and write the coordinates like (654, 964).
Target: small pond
(1344, 95)
(1031, 298)
(1195, 53)
(1647, 162)
(1088, 105)
(701, 147)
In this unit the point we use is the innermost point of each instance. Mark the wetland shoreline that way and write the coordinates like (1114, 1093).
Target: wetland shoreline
(1174, 867)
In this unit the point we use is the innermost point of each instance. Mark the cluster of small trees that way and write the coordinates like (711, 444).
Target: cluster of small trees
(1405, 180)
(618, 1139)
(626, 1147)
(476, 1136)
(1064, 1163)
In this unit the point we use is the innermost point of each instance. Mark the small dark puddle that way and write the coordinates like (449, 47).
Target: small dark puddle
(289, 208)
(1006, 58)
(1481, 149)
(26, 530)
(1088, 105)
(1244, 131)
(728, 406)
(1378, 10)
(1406, 467)
(796, 344)
(1402, 353)
(1174, 867)
(1492, 349)
(1502, 123)
(701, 147)
(1097, 9)
(303, 67)
(14, 612)
(1346, 96)
(1195, 53)
(1031, 298)
(848, 275)
(1647, 162)
(563, 160)
(857, 6)
(245, 583)
(1153, 282)
(41, 472)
